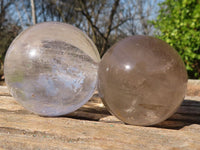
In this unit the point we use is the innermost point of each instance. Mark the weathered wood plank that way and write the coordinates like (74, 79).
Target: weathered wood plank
(92, 127)
(32, 131)
(4, 91)
(193, 88)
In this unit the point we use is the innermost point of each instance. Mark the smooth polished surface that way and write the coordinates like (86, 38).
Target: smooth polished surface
(51, 68)
(142, 80)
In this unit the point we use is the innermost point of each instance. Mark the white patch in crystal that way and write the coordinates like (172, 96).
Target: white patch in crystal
(32, 53)
(127, 67)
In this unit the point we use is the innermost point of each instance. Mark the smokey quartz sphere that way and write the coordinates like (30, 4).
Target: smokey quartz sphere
(142, 80)
(51, 68)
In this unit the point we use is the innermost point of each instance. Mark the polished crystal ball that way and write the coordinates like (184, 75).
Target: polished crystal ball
(51, 68)
(142, 80)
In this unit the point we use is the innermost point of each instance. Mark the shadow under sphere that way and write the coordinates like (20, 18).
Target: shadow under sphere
(142, 80)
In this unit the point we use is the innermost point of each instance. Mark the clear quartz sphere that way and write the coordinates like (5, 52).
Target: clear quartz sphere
(51, 68)
(142, 80)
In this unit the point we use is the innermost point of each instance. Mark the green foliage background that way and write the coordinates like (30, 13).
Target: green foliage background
(178, 24)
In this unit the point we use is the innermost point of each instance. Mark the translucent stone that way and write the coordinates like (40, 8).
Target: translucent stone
(142, 80)
(51, 68)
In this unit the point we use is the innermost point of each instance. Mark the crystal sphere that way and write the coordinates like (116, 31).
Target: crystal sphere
(51, 68)
(142, 80)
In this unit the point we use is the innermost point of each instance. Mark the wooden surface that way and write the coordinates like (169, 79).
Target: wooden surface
(93, 128)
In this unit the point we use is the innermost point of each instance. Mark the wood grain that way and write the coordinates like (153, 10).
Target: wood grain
(92, 127)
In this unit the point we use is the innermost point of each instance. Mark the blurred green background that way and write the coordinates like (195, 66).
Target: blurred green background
(175, 21)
